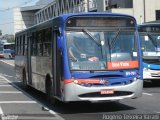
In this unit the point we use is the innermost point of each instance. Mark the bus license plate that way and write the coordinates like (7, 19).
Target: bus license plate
(107, 91)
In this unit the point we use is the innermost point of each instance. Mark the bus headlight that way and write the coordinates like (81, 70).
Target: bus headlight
(135, 79)
(76, 81)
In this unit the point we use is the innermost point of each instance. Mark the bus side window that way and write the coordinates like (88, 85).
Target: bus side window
(25, 45)
(16, 50)
(47, 42)
(19, 45)
(34, 44)
(40, 43)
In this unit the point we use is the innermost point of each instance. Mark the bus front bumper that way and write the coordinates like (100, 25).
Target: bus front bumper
(151, 74)
(75, 92)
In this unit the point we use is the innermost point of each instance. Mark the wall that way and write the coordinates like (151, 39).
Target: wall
(138, 10)
(23, 20)
(128, 11)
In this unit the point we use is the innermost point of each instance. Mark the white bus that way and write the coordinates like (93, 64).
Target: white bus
(9, 50)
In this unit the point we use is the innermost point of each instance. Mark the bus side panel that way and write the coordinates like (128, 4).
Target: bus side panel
(41, 66)
(20, 65)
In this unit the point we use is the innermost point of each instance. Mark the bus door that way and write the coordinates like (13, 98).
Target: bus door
(57, 65)
(29, 38)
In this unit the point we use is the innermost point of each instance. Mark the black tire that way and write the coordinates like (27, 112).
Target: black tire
(25, 85)
(48, 90)
(49, 94)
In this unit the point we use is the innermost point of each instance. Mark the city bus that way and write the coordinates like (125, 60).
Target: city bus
(82, 57)
(150, 45)
(9, 50)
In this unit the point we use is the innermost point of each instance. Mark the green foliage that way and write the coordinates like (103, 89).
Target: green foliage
(9, 38)
(0, 32)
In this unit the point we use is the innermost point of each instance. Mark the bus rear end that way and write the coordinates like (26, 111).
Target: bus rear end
(9, 50)
(102, 58)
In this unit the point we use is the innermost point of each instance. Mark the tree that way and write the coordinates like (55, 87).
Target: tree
(9, 38)
(0, 32)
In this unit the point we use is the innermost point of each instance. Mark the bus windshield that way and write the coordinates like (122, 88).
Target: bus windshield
(102, 49)
(9, 46)
(150, 44)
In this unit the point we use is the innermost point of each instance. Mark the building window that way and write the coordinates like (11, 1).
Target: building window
(34, 44)
(157, 14)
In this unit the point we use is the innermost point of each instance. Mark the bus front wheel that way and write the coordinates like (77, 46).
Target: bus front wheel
(50, 98)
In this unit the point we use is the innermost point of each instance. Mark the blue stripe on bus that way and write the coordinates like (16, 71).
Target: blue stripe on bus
(151, 66)
(8, 51)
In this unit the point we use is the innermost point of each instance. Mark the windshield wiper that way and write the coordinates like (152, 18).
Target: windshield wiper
(113, 41)
(92, 37)
(152, 39)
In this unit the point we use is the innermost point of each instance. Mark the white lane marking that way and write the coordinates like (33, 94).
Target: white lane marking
(148, 94)
(1, 113)
(25, 93)
(6, 80)
(1, 92)
(37, 118)
(7, 102)
(5, 75)
(7, 62)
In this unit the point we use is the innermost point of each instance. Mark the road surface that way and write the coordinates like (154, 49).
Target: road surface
(15, 101)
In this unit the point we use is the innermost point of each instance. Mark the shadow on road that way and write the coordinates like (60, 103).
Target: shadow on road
(87, 107)
(78, 107)
(150, 84)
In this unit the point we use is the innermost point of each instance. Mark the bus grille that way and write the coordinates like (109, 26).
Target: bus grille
(97, 94)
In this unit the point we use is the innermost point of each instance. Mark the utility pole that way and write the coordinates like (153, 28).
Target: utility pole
(85, 4)
(144, 6)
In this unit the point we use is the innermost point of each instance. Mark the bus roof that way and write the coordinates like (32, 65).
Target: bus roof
(149, 24)
(66, 16)
(149, 27)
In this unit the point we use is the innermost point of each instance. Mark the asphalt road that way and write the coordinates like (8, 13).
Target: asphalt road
(29, 105)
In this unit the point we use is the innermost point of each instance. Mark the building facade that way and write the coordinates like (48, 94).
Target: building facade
(142, 10)
(24, 17)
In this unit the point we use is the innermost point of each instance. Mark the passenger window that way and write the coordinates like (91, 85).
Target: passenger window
(47, 42)
(40, 43)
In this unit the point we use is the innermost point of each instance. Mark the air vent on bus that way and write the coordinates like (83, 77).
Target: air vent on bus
(97, 94)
